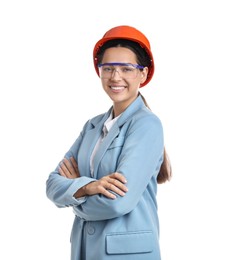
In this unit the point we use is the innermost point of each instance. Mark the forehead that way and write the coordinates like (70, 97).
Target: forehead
(119, 54)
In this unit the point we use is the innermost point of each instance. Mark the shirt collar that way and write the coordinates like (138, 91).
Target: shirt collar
(110, 122)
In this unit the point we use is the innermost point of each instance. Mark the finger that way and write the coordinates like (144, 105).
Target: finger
(65, 170)
(61, 172)
(97, 187)
(75, 166)
(113, 185)
(69, 167)
(120, 191)
(106, 192)
(109, 195)
(119, 183)
(74, 163)
(118, 176)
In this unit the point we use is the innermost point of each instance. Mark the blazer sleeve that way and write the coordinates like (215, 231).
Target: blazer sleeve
(139, 161)
(60, 190)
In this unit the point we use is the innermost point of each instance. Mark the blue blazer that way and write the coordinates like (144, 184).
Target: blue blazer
(126, 228)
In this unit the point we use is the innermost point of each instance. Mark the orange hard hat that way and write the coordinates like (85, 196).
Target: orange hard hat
(128, 33)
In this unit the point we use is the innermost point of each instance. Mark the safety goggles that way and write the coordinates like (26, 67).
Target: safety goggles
(125, 70)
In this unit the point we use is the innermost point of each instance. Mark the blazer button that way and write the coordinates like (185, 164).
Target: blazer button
(91, 230)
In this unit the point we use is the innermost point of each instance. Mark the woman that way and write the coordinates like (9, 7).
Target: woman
(110, 174)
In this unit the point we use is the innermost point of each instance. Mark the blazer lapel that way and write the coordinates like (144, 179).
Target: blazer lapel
(89, 141)
(114, 131)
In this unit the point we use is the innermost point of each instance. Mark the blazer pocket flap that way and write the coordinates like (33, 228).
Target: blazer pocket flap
(117, 142)
(129, 243)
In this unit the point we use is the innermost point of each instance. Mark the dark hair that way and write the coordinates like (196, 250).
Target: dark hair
(165, 172)
(142, 56)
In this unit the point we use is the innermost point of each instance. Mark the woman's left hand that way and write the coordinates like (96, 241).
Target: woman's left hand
(69, 168)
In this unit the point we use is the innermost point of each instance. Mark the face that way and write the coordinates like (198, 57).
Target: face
(122, 91)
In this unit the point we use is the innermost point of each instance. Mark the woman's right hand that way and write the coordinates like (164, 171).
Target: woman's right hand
(114, 182)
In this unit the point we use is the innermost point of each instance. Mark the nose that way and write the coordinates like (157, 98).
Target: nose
(115, 75)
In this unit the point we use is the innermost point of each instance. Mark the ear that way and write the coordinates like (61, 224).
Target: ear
(144, 74)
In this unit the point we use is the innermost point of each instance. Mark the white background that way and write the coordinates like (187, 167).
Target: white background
(48, 89)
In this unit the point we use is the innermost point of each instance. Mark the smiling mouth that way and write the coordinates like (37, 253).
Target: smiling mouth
(117, 88)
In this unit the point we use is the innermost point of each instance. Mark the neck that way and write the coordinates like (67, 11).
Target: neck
(120, 107)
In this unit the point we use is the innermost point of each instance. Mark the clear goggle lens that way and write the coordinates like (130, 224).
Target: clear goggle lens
(125, 70)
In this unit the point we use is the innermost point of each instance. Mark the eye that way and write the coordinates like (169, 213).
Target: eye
(107, 69)
(126, 69)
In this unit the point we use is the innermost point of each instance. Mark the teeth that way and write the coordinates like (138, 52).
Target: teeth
(117, 88)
